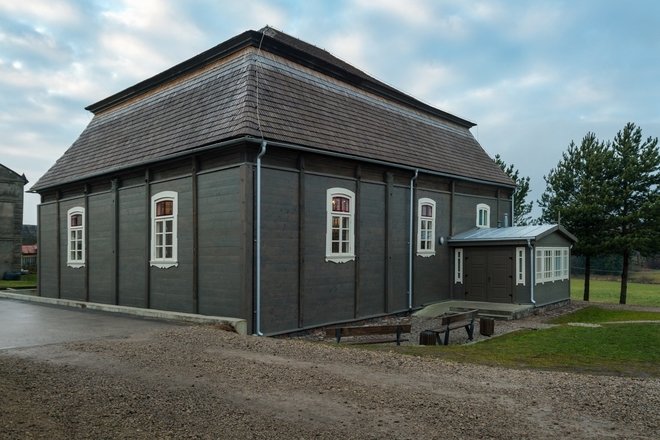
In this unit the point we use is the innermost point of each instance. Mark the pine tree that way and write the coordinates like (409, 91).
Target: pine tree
(634, 199)
(521, 208)
(575, 194)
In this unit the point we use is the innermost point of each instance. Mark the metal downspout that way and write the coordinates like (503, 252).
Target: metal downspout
(410, 242)
(532, 276)
(257, 278)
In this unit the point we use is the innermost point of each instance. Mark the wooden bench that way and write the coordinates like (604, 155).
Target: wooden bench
(364, 330)
(454, 320)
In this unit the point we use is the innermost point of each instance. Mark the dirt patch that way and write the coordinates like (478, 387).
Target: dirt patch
(200, 382)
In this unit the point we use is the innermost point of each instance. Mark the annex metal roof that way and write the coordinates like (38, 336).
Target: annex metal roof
(509, 234)
(305, 97)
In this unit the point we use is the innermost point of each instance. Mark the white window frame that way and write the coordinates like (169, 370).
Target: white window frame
(79, 231)
(552, 264)
(426, 221)
(458, 265)
(163, 262)
(520, 266)
(486, 208)
(349, 255)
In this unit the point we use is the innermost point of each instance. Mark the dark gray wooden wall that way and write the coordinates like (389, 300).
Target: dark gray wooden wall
(225, 242)
(309, 291)
(133, 226)
(48, 250)
(100, 249)
(215, 240)
(72, 283)
(117, 221)
(431, 274)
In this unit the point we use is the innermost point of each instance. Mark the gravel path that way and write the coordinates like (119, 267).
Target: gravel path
(201, 382)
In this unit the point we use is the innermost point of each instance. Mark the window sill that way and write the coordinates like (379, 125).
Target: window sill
(75, 265)
(164, 264)
(426, 254)
(339, 258)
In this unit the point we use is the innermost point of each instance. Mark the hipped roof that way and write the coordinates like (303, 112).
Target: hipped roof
(305, 97)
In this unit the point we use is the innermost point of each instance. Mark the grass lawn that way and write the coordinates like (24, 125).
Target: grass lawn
(608, 292)
(613, 349)
(629, 349)
(594, 314)
(29, 280)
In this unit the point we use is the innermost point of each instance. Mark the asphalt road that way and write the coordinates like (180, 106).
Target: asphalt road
(25, 324)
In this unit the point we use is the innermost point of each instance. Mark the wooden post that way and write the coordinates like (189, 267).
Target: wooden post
(356, 251)
(86, 238)
(301, 240)
(389, 193)
(115, 240)
(58, 243)
(195, 227)
(39, 221)
(147, 239)
(451, 208)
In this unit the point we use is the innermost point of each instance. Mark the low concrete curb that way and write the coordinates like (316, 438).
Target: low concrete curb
(240, 325)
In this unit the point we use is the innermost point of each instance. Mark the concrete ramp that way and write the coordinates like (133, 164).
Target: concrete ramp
(486, 309)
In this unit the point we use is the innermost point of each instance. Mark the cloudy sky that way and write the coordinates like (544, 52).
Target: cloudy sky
(532, 74)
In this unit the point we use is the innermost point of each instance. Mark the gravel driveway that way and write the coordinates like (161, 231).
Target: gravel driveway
(202, 382)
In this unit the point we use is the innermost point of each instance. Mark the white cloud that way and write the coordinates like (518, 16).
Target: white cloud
(416, 12)
(262, 13)
(429, 79)
(431, 17)
(31, 145)
(153, 17)
(538, 21)
(582, 91)
(130, 57)
(72, 81)
(350, 47)
(47, 11)
(484, 10)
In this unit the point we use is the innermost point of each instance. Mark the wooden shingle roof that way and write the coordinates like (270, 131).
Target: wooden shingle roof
(306, 97)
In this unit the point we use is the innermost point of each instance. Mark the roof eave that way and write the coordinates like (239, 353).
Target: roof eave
(489, 242)
(37, 188)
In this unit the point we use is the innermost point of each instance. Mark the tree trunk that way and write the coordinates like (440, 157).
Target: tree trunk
(624, 277)
(587, 276)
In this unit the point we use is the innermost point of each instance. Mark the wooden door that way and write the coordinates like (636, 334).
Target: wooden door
(500, 275)
(489, 274)
(476, 279)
